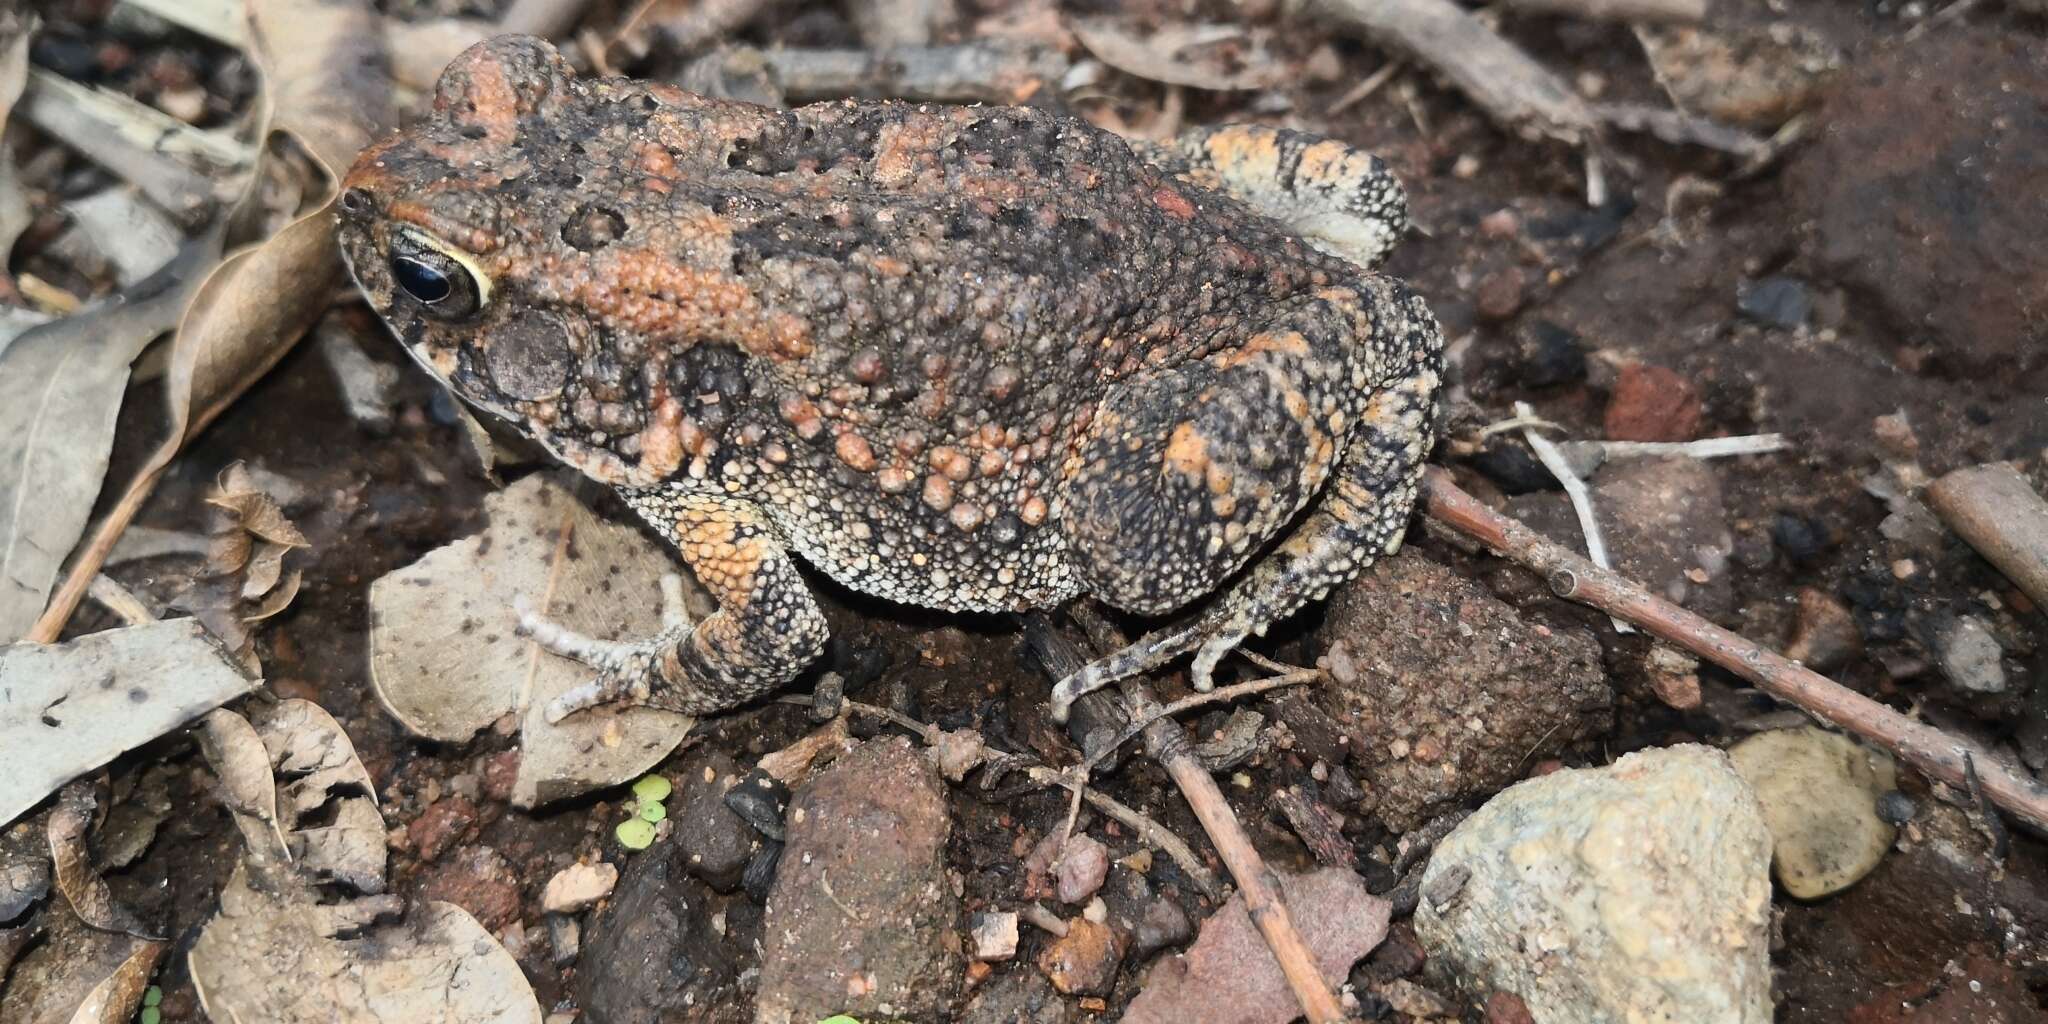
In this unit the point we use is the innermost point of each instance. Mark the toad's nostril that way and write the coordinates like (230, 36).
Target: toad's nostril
(355, 200)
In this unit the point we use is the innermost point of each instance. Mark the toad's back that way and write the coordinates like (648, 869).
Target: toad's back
(960, 357)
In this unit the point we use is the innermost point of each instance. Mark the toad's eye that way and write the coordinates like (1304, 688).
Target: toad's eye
(442, 282)
(421, 281)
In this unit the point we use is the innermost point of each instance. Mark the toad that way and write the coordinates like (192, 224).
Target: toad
(969, 358)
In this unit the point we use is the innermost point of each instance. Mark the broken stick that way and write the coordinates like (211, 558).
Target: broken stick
(1167, 745)
(1936, 753)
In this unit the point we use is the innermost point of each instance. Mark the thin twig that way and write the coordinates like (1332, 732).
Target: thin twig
(1220, 695)
(1256, 882)
(1575, 489)
(1497, 75)
(1152, 832)
(1936, 753)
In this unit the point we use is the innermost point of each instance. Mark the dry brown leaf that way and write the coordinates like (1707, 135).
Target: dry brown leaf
(256, 512)
(17, 28)
(317, 770)
(1204, 56)
(324, 92)
(242, 765)
(274, 958)
(80, 884)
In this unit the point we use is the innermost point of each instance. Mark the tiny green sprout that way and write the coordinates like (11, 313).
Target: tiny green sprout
(152, 995)
(652, 811)
(636, 833)
(652, 787)
(150, 1015)
(840, 1019)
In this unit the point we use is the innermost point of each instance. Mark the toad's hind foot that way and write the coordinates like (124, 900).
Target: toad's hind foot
(1360, 516)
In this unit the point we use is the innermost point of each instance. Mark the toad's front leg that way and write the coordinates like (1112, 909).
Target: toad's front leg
(766, 630)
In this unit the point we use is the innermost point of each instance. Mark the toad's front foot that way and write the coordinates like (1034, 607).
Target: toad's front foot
(633, 672)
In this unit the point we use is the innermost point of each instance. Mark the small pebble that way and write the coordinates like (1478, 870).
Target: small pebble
(578, 886)
(995, 935)
(1896, 808)
(1082, 866)
(760, 800)
(1775, 301)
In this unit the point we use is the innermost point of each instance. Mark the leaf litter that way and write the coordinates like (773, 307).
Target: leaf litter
(323, 100)
(95, 959)
(284, 948)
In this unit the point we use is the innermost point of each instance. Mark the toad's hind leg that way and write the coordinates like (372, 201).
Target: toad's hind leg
(1342, 200)
(1360, 515)
(766, 630)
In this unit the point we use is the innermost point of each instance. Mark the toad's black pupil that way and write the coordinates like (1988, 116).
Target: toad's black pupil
(420, 281)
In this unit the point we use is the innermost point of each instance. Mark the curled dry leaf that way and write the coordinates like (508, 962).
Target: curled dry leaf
(245, 579)
(281, 950)
(80, 975)
(321, 779)
(73, 707)
(91, 900)
(444, 660)
(97, 959)
(325, 94)
(242, 765)
(1204, 56)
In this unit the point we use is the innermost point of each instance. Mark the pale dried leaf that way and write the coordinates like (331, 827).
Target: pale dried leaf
(220, 20)
(1204, 56)
(242, 765)
(73, 707)
(350, 851)
(17, 28)
(265, 568)
(128, 230)
(444, 661)
(273, 958)
(306, 743)
(60, 390)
